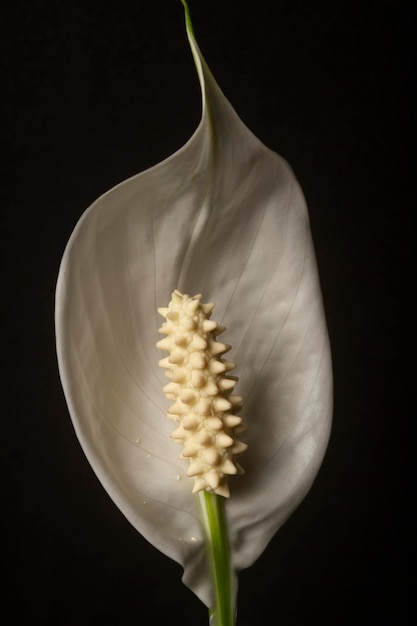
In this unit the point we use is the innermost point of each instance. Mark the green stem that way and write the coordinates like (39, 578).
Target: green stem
(215, 526)
(187, 17)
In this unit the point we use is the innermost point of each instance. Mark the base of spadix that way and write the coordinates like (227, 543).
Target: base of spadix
(216, 535)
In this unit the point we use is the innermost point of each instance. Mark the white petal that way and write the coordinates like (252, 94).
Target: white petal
(225, 217)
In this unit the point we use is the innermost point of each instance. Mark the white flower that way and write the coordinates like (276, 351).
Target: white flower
(224, 216)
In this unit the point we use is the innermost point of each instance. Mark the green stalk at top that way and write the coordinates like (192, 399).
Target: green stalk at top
(188, 17)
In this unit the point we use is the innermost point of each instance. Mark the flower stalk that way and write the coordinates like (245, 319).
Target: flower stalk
(213, 515)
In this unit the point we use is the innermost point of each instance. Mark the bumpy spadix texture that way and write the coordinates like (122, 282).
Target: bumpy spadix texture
(201, 392)
(223, 216)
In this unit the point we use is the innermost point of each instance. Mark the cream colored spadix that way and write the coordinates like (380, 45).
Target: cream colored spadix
(223, 216)
(201, 392)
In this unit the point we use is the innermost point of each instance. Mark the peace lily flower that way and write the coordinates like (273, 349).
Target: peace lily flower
(223, 216)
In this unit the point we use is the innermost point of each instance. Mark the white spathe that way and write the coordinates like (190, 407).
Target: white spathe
(225, 217)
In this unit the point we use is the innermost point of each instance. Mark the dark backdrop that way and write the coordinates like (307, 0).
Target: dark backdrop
(95, 92)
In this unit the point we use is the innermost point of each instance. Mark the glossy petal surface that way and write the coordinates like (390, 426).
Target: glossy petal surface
(225, 217)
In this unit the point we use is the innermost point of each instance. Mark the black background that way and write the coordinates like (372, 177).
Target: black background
(95, 92)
